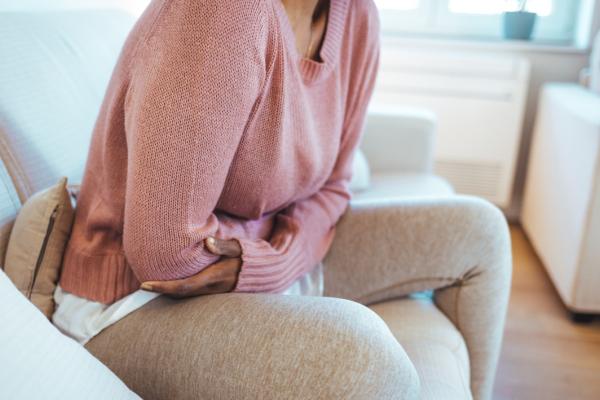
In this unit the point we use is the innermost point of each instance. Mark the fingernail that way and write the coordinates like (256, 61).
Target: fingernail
(146, 286)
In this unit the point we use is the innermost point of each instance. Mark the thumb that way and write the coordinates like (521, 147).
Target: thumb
(223, 247)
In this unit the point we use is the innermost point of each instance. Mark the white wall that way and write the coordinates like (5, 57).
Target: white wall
(133, 6)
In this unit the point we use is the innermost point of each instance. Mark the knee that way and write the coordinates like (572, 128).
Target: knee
(374, 363)
(486, 240)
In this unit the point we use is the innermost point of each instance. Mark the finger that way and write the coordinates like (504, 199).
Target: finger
(178, 287)
(222, 247)
(220, 277)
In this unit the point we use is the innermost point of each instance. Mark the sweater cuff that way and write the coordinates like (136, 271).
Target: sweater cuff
(264, 269)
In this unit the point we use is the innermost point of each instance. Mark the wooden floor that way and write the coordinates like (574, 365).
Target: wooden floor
(545, 355)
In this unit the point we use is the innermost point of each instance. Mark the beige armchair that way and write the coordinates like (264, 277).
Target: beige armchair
(375, 338)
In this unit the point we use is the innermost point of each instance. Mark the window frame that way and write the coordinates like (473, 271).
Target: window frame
(433, 18)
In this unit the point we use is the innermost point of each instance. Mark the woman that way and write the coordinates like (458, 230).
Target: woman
(221, 157)
(220, 162)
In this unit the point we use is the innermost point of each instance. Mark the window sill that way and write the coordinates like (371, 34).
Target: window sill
(499, 45)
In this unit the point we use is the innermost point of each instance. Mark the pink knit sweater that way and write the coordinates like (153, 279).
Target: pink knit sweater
(213, 125)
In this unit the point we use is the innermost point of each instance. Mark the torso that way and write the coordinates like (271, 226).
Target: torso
(300, 114)
(308, 136)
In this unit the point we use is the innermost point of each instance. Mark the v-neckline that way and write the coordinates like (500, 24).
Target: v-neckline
(312, 70)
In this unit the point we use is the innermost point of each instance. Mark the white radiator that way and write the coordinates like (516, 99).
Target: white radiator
(479, 101)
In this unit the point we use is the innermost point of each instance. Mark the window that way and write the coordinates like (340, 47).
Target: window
(481, 19)
(398, 4)
(541, 7)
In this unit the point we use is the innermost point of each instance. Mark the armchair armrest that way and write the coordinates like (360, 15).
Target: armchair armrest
(399, 140)
(458, 246)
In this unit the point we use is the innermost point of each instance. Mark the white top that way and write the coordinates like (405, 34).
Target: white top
(82, 319)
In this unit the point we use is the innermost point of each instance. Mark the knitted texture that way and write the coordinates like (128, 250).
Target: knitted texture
(213, 125)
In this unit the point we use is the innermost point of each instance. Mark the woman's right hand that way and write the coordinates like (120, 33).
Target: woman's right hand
(220, 277)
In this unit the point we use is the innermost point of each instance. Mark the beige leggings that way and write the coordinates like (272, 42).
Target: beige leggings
(240, 346)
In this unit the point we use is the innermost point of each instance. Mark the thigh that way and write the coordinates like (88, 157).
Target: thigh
(242, 346)
(393, 249)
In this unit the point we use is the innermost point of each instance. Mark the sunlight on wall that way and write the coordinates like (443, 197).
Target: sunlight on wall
(135, 7)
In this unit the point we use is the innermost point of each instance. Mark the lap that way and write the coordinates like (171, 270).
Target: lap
(255, 346)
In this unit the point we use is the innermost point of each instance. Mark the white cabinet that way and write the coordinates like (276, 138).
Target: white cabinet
(561, 211)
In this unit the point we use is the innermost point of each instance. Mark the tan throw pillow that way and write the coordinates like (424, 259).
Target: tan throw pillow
(37, 243)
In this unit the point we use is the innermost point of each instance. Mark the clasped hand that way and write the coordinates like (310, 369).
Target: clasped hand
(220, 277)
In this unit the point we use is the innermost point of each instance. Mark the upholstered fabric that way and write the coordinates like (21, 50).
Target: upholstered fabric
(361, 174)
(257, 346)
(433, 344)
(37, 243)
(458, 246)
(9, 207)
(401, 185)
(38, 362)
(54, 70)
(399, 139)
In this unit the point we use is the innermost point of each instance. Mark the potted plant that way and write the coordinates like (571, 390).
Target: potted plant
(519, 24)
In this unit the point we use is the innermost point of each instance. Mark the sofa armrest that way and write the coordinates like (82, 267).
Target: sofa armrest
(399, 140)
(458, 246)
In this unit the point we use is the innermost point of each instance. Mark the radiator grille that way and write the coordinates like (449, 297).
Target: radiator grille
(475, 178)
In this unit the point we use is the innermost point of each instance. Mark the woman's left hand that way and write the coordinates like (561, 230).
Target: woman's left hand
(220, 277)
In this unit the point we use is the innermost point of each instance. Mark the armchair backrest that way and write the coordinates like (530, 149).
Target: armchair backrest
(399, 139)
(54, 69)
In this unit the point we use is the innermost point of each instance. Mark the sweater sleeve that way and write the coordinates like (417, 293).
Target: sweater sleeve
(304, 231)
(196, 78)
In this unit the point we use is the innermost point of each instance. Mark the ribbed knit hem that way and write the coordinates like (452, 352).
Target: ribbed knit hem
(102, 278)
(267, 271)
(314, 71)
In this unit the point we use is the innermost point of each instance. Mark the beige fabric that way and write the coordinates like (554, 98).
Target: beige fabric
(244, 346)
(9, 207)
(278, 347)
(433, 344)
(458, 246)
(37, 243)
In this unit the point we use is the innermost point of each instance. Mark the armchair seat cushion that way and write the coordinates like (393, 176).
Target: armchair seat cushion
(394, 185)
(433, 344)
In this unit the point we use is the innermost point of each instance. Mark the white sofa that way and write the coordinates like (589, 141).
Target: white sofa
(54, 68)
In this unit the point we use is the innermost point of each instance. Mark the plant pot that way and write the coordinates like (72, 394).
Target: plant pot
(519, 25)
